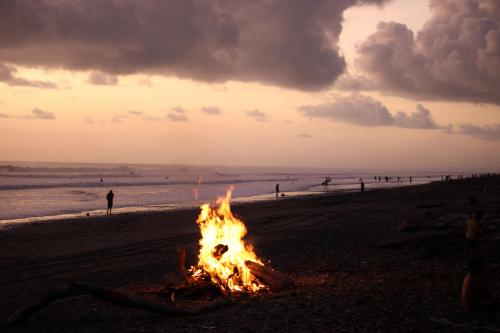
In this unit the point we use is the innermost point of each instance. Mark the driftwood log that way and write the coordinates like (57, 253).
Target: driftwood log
(274, 279)
(116, 298)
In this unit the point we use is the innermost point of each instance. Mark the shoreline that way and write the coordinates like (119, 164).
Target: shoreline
(386, 260)
(153, 208)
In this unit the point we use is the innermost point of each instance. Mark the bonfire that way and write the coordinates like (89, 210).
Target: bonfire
(224, 255)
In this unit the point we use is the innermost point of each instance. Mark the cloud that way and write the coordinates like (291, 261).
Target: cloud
(8, 76)
(366, 111)
(117, 119)
(152, 118)
(89, 120)
(347, 82)
(257, 115)
(178, 110)
(421, 118)
(304, 136)
(486, 132)
(36, 113)
(146, 82)
(289, 44)
(212, 110)
(456, 55)
(178, 115)
(102, 79)
(136, 113)
(40, 114)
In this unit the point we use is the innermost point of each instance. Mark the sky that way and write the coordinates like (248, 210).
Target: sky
(335, 84)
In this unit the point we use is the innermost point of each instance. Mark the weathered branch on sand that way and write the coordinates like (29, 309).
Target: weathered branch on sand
(116, 298)
(274, 279)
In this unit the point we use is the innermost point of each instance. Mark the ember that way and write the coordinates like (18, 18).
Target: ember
(223, 252)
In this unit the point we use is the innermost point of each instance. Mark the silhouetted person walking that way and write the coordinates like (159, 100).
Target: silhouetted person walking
(277, 190)
(471, 233)
(109, 197)
(326, 182)
(362, 185)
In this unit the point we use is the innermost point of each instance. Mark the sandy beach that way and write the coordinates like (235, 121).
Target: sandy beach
(383, 260)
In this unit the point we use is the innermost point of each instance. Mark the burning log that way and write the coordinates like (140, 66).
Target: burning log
(116, 298)
(274, 279)
(219, 250)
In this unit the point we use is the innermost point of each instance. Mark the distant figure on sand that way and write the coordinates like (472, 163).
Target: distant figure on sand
(277, 190)
(471, 233)
(362, 185)
(109, 197)
(326, 182)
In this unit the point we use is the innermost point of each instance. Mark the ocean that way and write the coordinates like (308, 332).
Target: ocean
(35, 191)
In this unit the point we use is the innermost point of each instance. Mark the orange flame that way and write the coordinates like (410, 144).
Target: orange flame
(223, 251)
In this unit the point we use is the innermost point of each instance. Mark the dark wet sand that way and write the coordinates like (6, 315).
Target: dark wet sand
(348, 278)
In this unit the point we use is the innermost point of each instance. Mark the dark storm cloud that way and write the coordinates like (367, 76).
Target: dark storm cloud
(279, 42)
(8, 76)
(366, 111)
(257, 115)
(456, 55)
(103, 79)
(212, 110)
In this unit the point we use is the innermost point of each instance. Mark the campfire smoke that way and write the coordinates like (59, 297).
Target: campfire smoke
(223, 252)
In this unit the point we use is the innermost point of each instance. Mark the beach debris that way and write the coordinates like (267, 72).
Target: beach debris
(225, 258)
(111, 296)
(276, 280)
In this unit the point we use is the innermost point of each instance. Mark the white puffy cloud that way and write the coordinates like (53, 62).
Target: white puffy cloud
(456, 55)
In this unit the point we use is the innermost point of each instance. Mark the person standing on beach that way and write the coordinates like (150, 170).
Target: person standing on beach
(277, 190)
(471, 233)
(109, 197)
(476, 295)
(362, 184)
